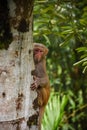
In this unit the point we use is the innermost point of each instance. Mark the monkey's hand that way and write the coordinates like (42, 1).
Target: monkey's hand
(35, 84)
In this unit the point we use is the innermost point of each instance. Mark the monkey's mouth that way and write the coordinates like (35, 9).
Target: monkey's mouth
(37, 57)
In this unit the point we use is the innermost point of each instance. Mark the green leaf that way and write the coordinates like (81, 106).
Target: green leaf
(47, 39)
(85, 59)
(82, 49)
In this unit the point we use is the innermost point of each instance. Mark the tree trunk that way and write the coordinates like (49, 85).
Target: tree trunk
(16, 64)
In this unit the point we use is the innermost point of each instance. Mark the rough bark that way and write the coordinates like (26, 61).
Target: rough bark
(16, 64)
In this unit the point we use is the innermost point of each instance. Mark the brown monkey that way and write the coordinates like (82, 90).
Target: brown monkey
(41, 80)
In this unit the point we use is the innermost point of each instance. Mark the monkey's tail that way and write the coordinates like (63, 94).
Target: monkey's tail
(41, 114)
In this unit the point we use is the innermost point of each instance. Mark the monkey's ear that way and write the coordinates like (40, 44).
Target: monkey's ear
(46, 51)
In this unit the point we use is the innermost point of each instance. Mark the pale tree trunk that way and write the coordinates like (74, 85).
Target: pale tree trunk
(16, 64)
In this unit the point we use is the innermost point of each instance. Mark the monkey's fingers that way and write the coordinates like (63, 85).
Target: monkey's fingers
(33, 86)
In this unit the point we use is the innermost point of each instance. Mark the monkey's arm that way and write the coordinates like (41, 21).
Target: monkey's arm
(43, 81)
(40, 82)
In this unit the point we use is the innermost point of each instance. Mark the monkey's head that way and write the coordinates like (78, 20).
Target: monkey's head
(40, 51)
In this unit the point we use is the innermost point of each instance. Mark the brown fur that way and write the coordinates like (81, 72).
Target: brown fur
(42, 85)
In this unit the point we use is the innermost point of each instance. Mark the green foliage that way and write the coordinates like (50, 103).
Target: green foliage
(59, 117)
(76, 109)
(62, 26)
(83, 57)
(53, 116)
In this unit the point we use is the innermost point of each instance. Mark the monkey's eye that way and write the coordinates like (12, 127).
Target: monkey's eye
(38, 50)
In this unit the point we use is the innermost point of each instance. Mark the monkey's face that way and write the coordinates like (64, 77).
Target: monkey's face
(38, 54)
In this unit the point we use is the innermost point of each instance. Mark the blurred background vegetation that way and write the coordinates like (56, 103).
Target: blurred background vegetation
(62, 26)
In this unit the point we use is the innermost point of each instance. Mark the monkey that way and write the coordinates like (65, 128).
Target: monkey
(41, 79)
